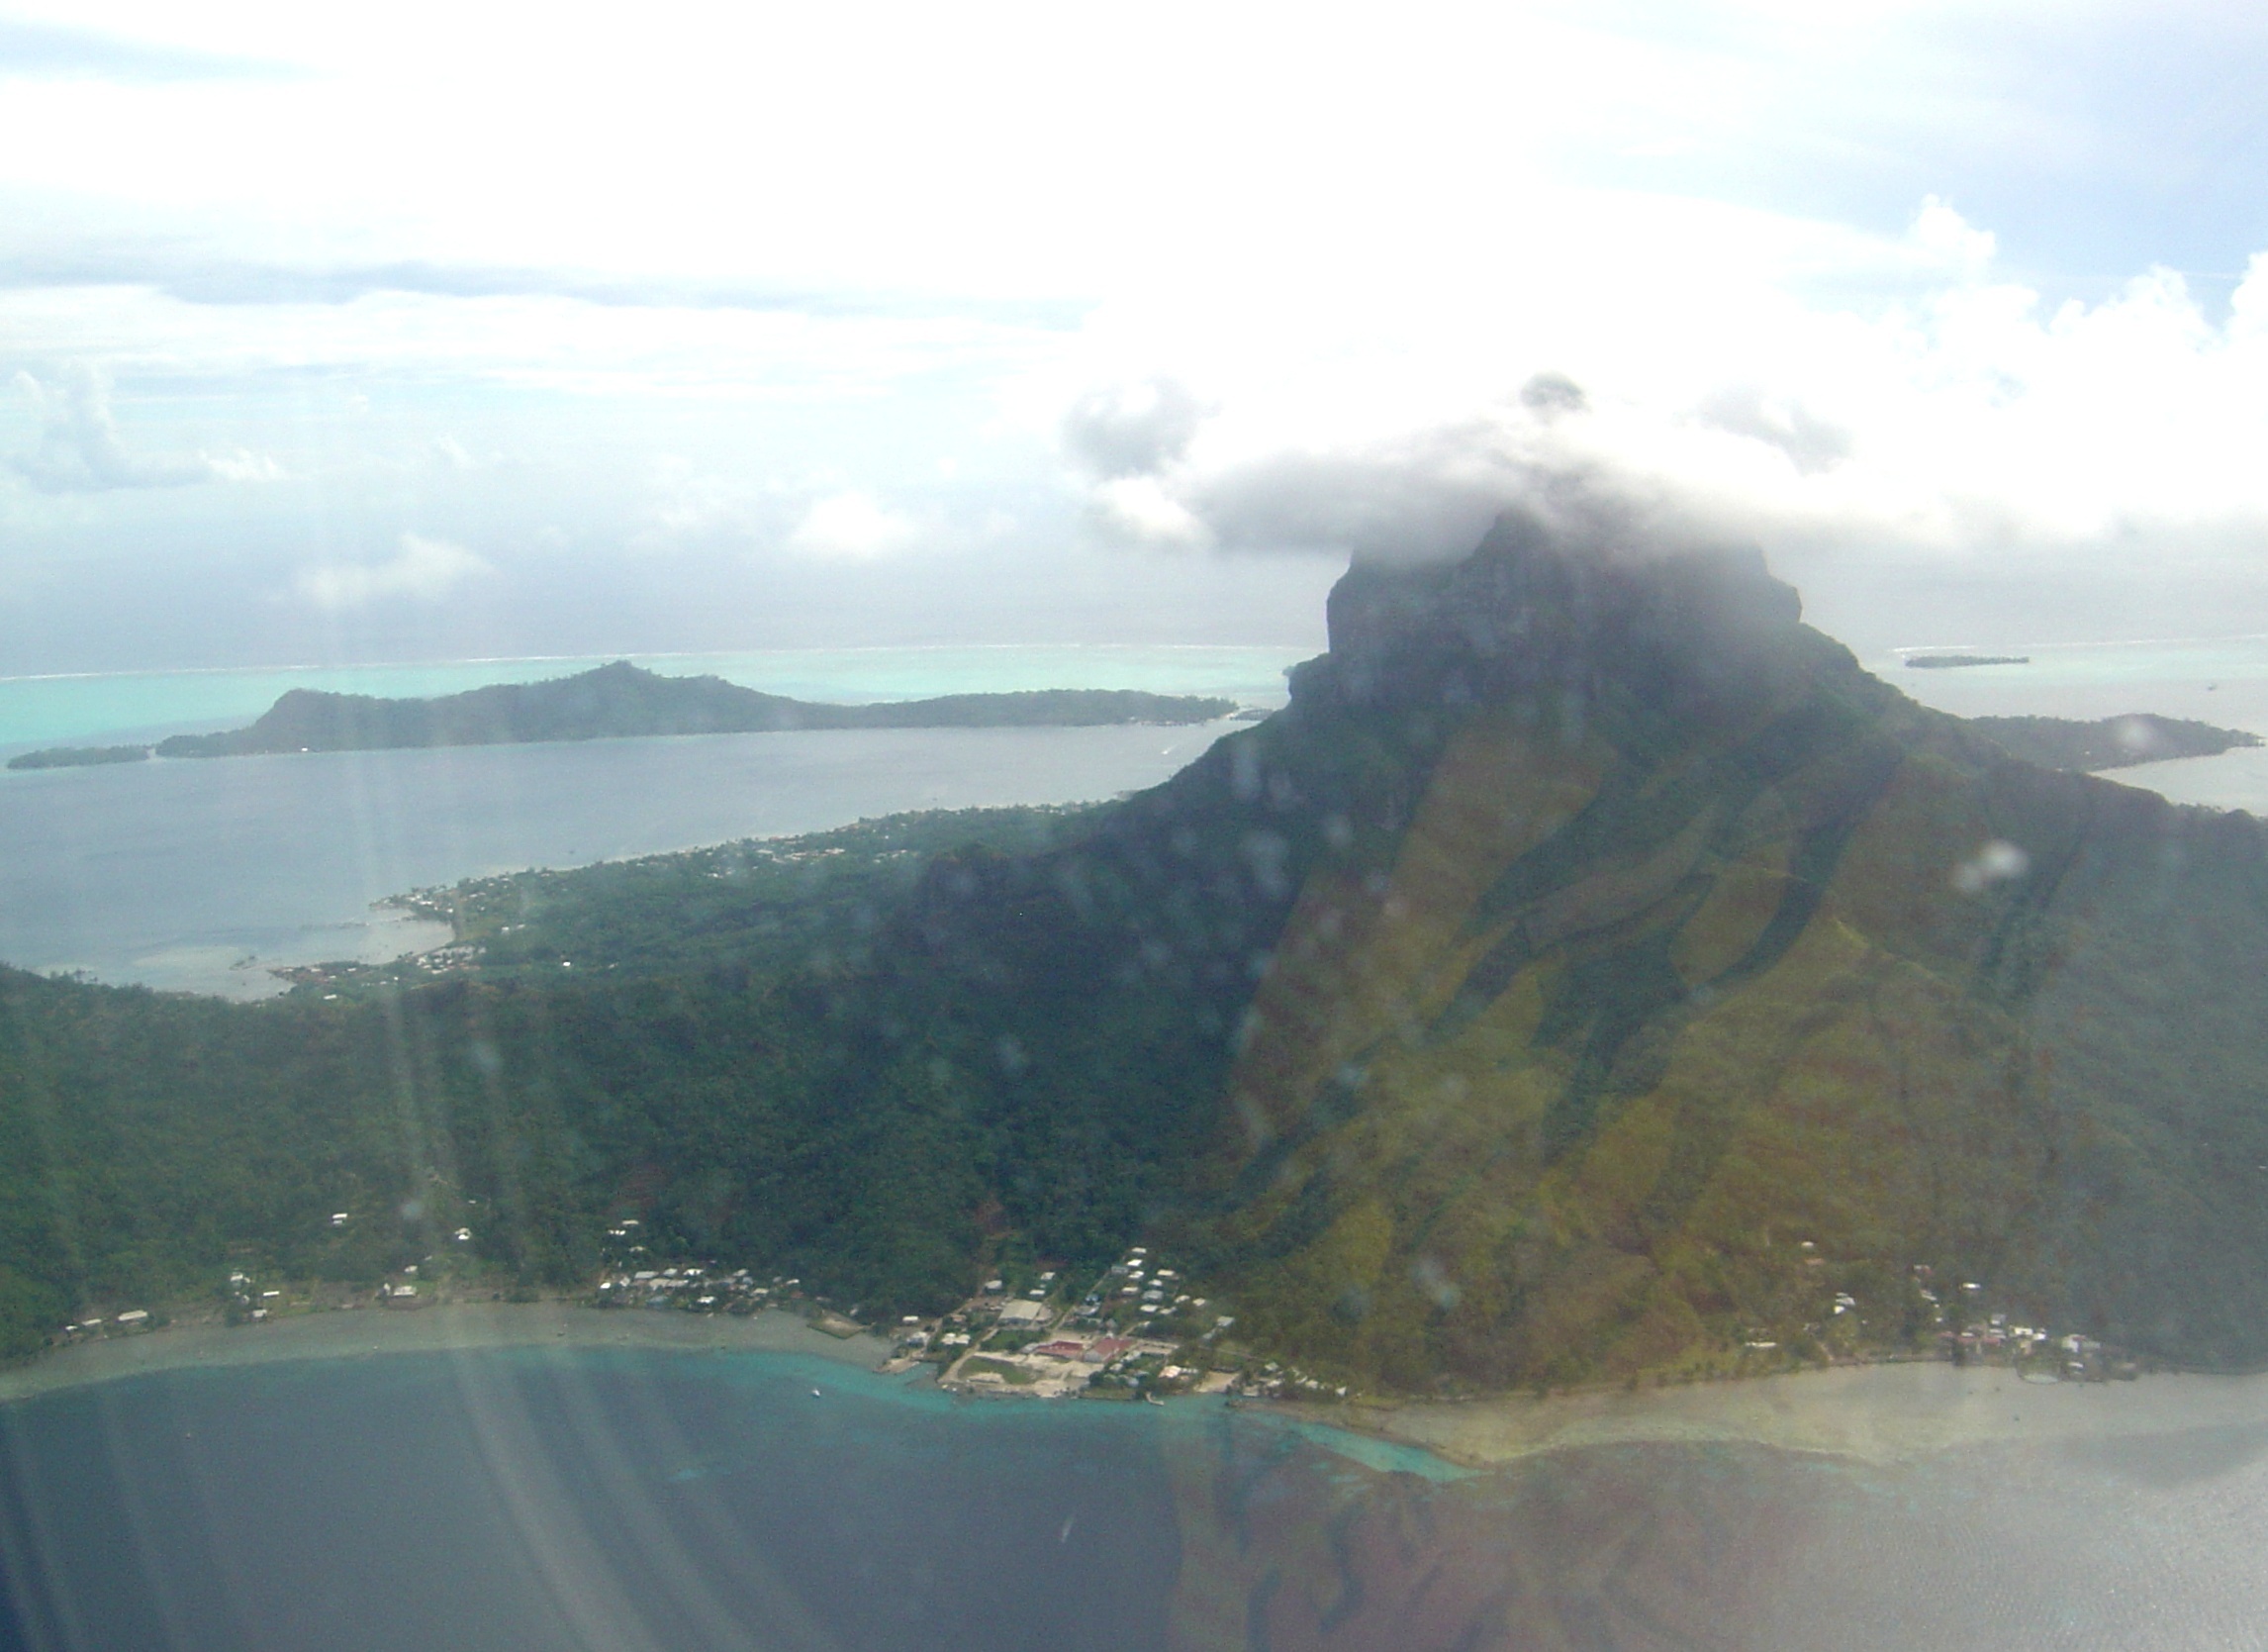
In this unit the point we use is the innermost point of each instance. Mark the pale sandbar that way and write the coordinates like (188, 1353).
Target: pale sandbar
(1882, 1413)
(444, 1327)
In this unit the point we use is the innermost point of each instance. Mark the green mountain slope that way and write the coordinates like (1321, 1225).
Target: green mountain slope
(1652, 977)
(1591, 972)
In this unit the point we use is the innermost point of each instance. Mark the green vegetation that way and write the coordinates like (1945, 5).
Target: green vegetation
(78, 756)
(2110, 743)
(1592, 976)
(774, 1106)
(152, 1139)
(1013, 1374)
(620, 700)
(773, 905)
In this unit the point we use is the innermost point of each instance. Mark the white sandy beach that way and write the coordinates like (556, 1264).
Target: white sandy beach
(1873, 1412)
(440, 1329)
(1876, 1412)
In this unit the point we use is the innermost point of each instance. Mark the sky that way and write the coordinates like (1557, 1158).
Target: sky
(419, 331)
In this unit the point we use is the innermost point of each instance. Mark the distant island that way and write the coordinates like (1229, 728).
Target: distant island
(623, 700)
(1591, 979)
(2111, 743)
(79, 756)
(1949, 663)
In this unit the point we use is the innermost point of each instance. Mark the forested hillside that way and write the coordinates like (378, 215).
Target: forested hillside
(2110, 743)
(821, 902)
(149, 1142)
(1592, 972)
(1653, 984)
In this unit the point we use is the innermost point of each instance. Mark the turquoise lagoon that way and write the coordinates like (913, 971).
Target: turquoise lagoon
(87, 708)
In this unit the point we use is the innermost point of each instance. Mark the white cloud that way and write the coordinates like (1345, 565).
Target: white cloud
(1131, 430)
(80, 449)
(1297, 289)
(1141, 511)
(1934, 416)
(850, 526)
(422, 570)
(692, 503)
(244, 466)
(448, 451)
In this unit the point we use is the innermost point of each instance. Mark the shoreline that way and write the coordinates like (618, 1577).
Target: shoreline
(1880, 1415)
(1895, 1412)
(440, 1327)
(267, 880)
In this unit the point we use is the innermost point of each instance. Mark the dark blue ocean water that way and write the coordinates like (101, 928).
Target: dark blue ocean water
(681, 1501)
(507, 1501)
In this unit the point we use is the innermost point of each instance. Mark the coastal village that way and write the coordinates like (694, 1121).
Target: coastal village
(1137, 1330)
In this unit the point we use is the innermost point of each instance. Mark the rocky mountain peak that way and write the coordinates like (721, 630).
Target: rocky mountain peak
(1537, 611)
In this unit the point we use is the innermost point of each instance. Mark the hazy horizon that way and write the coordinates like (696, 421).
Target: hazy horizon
(430, 334)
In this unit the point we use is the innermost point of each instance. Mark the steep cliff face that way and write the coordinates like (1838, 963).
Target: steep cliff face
(1710, 981)
(1591, 972)
(1594, 971)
